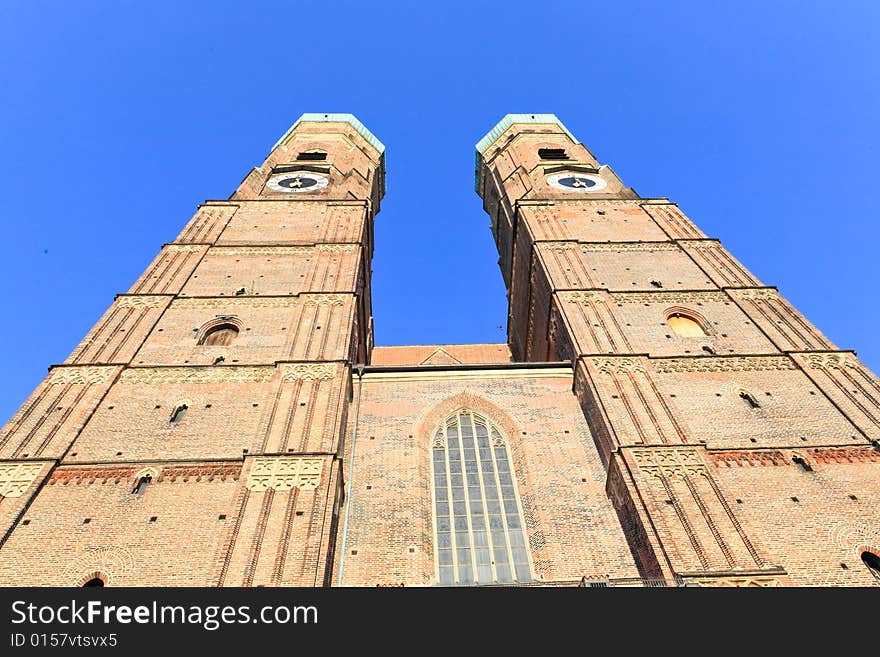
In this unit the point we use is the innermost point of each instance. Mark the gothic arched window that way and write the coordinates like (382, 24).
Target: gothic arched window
(479, 529)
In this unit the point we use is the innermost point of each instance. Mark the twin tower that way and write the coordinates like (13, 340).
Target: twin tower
(659, 417)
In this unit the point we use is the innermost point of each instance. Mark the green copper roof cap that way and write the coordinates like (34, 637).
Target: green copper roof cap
(336, 118)
(510, 119)
(503, 125)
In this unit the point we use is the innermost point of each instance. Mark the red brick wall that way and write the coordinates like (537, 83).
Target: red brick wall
(170, 269)
(275, 270)
(246, 486)
(636, 322)
(825, 528)
(119, 540)
(572, 528)
(447, 354)
(593, 221)
(197, 524)
(300, 222)
(50, 419)
(616, 267)
(122, 329)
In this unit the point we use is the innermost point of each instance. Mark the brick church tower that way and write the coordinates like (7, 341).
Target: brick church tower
(193, 436)
(658, 416)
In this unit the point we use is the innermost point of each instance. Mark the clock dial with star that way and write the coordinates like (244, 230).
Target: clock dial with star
(298, 182)
(576, 182)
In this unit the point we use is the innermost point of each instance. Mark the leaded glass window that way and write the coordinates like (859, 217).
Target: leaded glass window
(480, 537)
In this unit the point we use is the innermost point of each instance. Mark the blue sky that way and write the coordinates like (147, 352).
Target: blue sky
(118, 118)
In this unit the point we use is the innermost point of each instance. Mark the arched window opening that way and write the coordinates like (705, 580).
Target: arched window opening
(222, 334)
(872, 562)
(749, 399)
(141, 486)
(479, 528)
(95, 581)
(684, 326)
(178, 414)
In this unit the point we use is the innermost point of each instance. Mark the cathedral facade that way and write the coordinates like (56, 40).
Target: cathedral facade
(658, 417)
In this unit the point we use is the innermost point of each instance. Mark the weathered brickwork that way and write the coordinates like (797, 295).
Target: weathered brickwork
(746, 380)
(194, 436)
(275, 270)
(636, 322)
(719, 265)
(270, 329)
(19, 482)
(207, 224)
(50, 419)
(852, 387)
(779, 320)
(280, 524)
(108, 529)
(672, 220)
(448, 354)
(593, 221)
(658, 416)
(816, 523)
(701, 400)
(572, 529)
(621, 267)
(303, 222)
(117, 335)
(170, 269)
(699, 529)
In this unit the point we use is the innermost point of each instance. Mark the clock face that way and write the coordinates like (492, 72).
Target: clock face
(576, 182)
(298, 181)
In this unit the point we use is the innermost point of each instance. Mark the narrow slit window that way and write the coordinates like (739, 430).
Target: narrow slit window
(802, 462)
(480, 536)
(552, 154)
(141, 486)
(312, 156)
(749, 399)
(178, 414)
